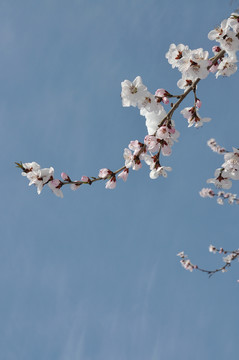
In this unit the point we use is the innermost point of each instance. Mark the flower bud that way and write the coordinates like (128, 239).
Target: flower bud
(65, 177)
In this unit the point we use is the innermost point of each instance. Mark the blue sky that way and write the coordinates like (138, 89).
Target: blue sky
(95, 275)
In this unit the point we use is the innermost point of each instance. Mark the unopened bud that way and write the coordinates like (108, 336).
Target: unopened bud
(65, 177)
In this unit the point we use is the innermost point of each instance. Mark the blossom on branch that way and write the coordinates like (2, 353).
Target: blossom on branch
(37, 176)
(133, 93)
(193, 117)
(55, 185)
(193, 65)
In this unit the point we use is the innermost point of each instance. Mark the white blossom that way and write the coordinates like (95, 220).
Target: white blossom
(193, 117)
(133, 93)
(212, 249)
(160, 171)
(220, 181)
(40, 177)
(226, 68)
(55, 186)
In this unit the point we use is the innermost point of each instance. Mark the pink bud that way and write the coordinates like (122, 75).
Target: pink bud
(84, 178)
(165, 100)
(103, 173)
(152, 143)
(111, 184)
(74, 186)
(198, 103)
(166, 150)
(214, 67)
(216, 49)
(56, 183)
(124, 174)
(160, 92)
(135, 145)
(171, 130)
(65, 177)
(162, 132)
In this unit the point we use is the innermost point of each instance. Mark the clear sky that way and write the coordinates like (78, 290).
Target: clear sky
(94, 276)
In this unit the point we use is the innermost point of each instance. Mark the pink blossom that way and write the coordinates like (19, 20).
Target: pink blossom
(111, 184)
(165, 100)
(128, 156)
(166, 150)
(136, 165)
(152, 143)
(74, 187)
(161, 93)
(65, 177)
(215, 147)
(216, 49)
(171, 130)
(193, 117)
(55, 185)
(86, 179)
(162, 132)
(206, 192)
(135, 145)
(103, 173)
(214, 67)
(124, 174)
(198, 103)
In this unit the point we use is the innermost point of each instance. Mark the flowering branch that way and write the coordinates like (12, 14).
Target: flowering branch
(228, 171)
(57, 184)
(231, 256)
(192, 87)
(194, 66)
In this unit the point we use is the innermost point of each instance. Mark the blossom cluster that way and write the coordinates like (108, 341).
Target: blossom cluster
(185, 262)
(227, 35)
(215, 147)
(41, 177)
(193, 65)
(230, 256)
(221, 196)
(224, 175)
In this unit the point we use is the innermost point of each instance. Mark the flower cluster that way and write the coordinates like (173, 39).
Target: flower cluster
(193, 118)
(136, 94)
(40, 177)
(221, 196)
(185, 262)
(230, 256)
(227, 35)
(194, 65)
(228, 171)
(215, 147)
